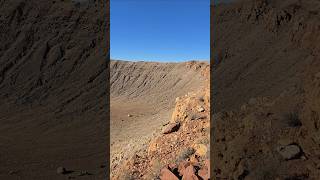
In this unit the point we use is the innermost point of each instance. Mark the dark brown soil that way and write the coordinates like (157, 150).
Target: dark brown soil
(53, 89)
(265, 89)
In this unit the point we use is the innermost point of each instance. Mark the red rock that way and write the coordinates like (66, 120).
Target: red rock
(166, 174)
(207, 163)
(171, 128)
(204, 173)
(182, 167)
(172, 166)
(189, 174)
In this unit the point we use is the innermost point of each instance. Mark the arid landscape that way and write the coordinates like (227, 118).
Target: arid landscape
(265, 89)
(159, 119)
(53, 89)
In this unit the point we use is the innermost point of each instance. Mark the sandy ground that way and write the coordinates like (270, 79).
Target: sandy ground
(129, 134)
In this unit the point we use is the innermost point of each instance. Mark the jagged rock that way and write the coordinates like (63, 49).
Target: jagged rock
(182, 167)
(172, 166)
(189, 173)
(290, 151)
(61, 170)
(204, 172)
(166, 174)
(171, 128)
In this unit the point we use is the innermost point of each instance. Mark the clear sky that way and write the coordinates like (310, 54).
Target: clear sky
(160, 30)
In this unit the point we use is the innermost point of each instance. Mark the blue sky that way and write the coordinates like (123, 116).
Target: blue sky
(160, 30)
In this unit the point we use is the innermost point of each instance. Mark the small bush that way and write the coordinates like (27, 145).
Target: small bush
(185, 154)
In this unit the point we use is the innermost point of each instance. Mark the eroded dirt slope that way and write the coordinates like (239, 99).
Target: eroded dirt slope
(53, 88)
(265, 90)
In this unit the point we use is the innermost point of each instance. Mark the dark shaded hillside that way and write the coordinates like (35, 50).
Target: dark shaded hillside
(266, 90)
(53, 87)
(261, 47)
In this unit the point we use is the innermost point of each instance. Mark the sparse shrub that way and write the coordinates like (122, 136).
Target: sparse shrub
(185, 154)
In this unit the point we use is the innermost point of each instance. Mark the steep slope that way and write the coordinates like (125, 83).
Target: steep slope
(160, 82)
(53, 88)
(265, 86)
(146, 91)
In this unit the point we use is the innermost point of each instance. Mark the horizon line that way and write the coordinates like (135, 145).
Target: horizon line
(168, 61)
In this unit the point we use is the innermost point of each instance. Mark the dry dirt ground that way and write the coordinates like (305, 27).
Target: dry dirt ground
(53, 90)
(265, 90)
(147, 92)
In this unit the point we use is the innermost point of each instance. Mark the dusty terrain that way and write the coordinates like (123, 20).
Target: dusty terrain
(53, 89)
(265, 90)
(147, 92)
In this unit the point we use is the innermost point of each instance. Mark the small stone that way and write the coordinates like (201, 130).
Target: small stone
(61, 170)
(290, 151)
(129, 115)
(166, 174)
(171, 128)
(152, 148)
(12, 172)
(201, 109)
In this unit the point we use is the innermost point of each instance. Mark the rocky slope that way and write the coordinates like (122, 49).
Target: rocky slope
(53, 88)
(265, 87)
(182, 141)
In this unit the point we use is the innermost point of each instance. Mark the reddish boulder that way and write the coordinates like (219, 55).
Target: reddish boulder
(204, 172)
(172, 166)
(166, 174)
(182, 167)
(189, 174)
(172, 127)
